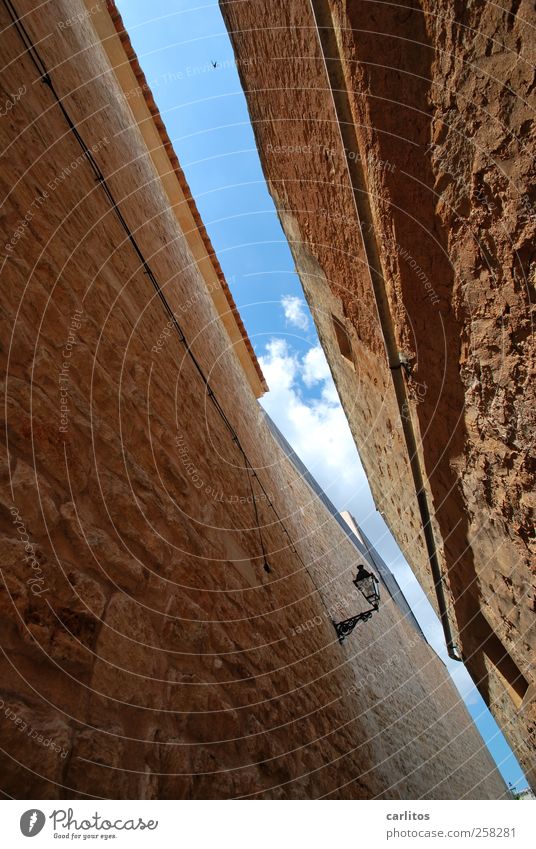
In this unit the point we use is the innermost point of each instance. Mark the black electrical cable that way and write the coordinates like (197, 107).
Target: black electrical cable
(253, 474)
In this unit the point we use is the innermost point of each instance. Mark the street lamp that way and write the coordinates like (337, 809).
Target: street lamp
(369, 587)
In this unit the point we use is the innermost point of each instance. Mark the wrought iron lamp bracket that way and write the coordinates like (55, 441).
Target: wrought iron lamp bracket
(345, 628)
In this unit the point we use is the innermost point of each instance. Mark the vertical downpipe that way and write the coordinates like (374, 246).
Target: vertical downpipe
(325, 27)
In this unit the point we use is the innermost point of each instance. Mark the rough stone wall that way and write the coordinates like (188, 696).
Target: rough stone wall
(441, 102)
(299, 144)
(145, 651)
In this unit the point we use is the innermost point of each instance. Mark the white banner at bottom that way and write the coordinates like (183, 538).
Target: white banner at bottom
(269, 824)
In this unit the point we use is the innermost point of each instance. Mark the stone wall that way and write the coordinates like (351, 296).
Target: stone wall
(440, 100)
(146, 653)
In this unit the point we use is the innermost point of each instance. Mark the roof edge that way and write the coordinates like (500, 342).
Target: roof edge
(250, 363)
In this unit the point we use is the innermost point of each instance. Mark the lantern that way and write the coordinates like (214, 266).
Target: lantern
(369, 587)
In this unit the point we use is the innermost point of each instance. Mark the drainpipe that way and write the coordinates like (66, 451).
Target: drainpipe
(325, 27)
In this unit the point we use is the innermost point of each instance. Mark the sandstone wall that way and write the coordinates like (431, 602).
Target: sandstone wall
(440, 98)
(139, 632)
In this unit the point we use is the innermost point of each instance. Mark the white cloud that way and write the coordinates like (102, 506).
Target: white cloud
(280, 367)
(318, 431)
(315, 427)
(295, 310)
(315, 367)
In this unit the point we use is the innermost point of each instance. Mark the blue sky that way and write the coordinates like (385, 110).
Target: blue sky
(206, 116)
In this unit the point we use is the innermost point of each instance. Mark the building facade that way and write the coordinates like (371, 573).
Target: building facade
(398, 146)
(150, 649)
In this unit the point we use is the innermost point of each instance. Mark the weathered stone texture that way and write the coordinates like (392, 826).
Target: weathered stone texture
(441, 99)
(153, 648)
